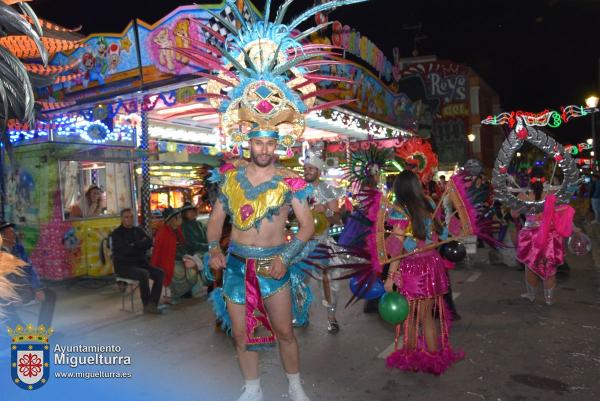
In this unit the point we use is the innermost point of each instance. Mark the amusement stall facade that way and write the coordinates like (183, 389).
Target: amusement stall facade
(137, 119)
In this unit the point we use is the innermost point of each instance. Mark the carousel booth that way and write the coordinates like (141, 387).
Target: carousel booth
(66, 183)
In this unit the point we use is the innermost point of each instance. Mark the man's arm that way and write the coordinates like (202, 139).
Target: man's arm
(32, 277)
(296, 245)
(121, 247)
(334, 218)
(144, 242)
(305, 220)
(214, 231)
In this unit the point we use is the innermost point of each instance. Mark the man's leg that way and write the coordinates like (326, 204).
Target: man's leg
(248, 359)
(47, 309)
(279, 308)
(157, 275)
(140, 274)
(330, 298)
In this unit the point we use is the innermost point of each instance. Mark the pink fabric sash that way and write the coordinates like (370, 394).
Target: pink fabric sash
(560, 219)
(256, 314)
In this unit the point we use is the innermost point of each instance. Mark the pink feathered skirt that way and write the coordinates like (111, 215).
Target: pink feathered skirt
(544, 260)
(423, 280)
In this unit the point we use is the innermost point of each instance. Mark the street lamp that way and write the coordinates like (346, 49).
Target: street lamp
(471, 137)
(592, 102)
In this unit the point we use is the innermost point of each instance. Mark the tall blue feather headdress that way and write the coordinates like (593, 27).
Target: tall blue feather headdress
(263, 78)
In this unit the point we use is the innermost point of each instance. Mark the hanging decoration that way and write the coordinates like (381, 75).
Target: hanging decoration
(347, 120)
(517, 137)
(546, 118)
(167, 146)
(576, 149)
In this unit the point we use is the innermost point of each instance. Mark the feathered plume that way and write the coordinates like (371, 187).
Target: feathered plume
(25, 36)
(9, 265)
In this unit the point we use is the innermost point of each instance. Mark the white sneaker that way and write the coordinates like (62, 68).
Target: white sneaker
(251, 394)
(296, 393)
(529, 296)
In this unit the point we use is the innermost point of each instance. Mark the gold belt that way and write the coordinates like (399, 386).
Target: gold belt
(262, 265)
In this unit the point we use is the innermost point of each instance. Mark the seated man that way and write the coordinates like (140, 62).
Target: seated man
(129, 249)
(168, 253)
(194, 237)
(27, 286)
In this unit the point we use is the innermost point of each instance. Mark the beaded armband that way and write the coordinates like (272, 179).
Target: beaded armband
(291, 250)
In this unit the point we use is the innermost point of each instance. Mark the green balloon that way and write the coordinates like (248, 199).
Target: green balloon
(393, 307)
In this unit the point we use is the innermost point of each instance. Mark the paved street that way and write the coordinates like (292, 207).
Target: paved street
(514, 350)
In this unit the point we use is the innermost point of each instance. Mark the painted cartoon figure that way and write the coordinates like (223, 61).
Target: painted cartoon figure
(114, 56)
(20, 186)
(70, 240)
(182, 38)
(166, 52)
(90, 69)
(102, 55)
(73, 245)
(88, 62)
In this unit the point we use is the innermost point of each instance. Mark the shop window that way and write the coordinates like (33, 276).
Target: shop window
(94, 189)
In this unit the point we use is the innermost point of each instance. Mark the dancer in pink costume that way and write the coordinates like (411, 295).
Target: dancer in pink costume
(541, 240)
(422, 279)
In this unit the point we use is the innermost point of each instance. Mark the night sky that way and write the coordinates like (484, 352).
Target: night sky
(535, 53)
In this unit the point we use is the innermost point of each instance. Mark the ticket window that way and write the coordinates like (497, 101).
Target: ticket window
(94, 189)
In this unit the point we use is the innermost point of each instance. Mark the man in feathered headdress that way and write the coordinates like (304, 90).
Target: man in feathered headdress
(264, 87)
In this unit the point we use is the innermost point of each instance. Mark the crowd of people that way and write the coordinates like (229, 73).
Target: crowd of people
(257, 200)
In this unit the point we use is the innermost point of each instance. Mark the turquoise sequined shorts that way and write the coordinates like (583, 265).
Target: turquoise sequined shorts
(234, 277)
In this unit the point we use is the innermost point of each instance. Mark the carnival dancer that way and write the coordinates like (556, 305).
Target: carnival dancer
(257, 197)
(325, 202)
(540, 245)
(422, 279)
(265, 82)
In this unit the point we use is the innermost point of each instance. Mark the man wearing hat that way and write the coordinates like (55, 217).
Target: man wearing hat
(194, 235)
(325, 200)
(169, 254)
(130, 245)
(27, 286)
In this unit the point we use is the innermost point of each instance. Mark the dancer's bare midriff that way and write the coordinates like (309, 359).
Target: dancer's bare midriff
(271, 232)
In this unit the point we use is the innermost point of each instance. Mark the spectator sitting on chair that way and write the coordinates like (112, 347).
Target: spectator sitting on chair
(194, 235)
(181, 270)
(28, 286)
(129, 249)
